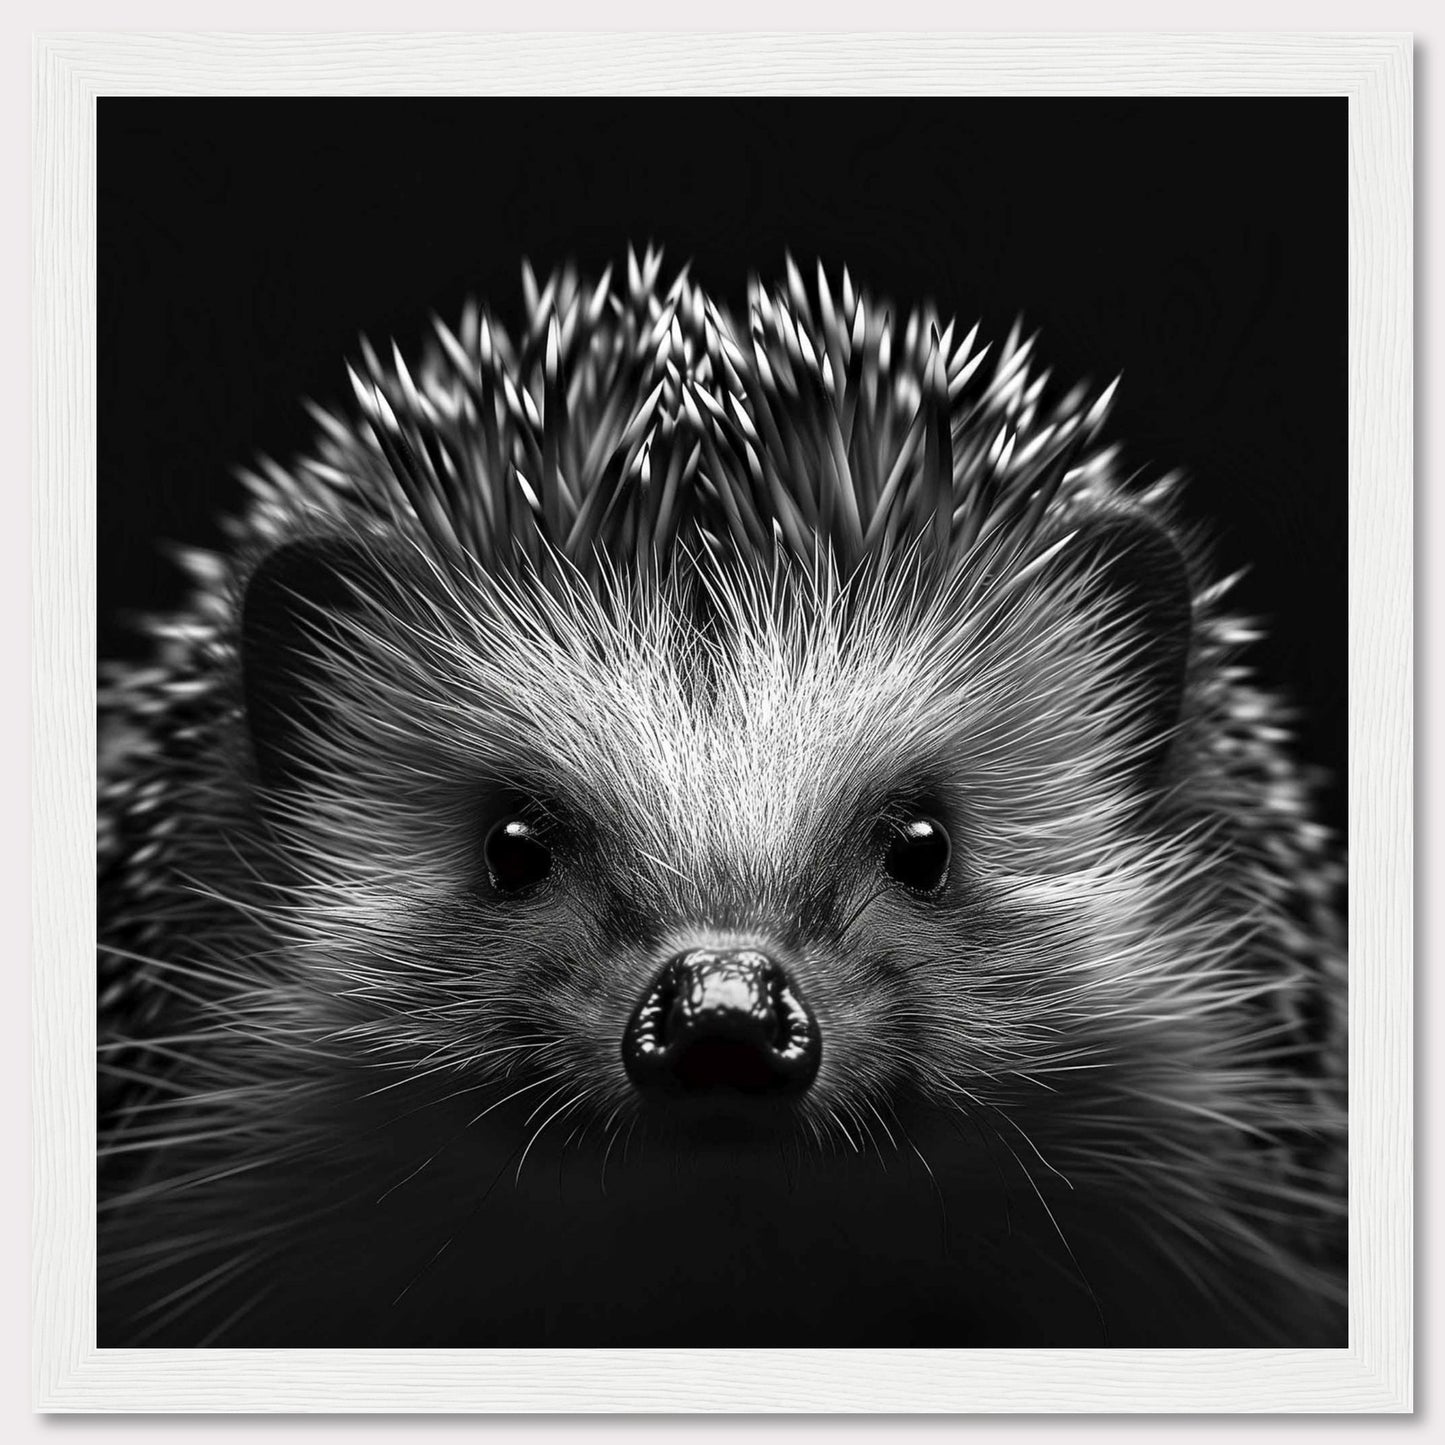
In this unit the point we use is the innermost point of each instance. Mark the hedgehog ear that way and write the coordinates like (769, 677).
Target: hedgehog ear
(283, 618)
(1138, 562)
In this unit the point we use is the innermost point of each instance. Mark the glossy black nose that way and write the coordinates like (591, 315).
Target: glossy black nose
(722, 1019)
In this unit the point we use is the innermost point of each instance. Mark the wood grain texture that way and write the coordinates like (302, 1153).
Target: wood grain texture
(1374, 1373)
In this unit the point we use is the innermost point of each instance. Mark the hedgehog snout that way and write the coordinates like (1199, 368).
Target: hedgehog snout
(719, 1023)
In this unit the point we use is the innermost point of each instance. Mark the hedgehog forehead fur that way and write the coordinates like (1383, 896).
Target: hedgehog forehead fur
(755, 744)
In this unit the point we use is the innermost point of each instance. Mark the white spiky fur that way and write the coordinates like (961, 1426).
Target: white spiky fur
(1111, 993)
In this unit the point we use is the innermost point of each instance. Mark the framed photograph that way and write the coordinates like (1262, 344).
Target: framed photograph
(748, 726)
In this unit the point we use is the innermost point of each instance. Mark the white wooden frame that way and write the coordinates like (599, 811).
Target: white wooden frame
(1374, 1373)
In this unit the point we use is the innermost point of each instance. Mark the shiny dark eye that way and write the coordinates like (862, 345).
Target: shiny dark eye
(917, 854)
(516, 855)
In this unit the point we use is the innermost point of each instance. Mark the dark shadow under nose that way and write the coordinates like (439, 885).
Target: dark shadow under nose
(715, 1020)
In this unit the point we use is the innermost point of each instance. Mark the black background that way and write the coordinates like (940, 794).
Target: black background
(1198, 246)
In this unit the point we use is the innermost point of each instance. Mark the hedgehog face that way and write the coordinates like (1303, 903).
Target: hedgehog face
(723, 836)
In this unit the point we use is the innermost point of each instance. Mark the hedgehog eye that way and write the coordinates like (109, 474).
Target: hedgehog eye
(516, 855)
(917, 854)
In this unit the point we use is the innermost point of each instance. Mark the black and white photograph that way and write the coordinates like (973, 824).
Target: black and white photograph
(722, 722)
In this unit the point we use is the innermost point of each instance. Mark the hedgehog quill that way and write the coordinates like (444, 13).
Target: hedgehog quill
(667, 828)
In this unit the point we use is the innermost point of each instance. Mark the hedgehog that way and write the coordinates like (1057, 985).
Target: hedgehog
(678, 828)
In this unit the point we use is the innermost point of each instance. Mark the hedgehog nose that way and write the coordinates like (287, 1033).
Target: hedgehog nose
(716, 1020)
